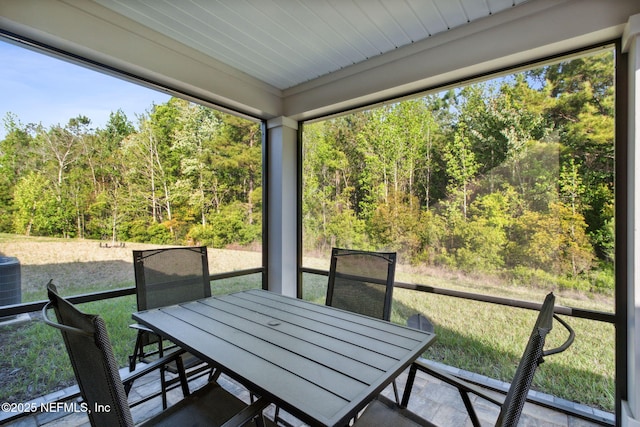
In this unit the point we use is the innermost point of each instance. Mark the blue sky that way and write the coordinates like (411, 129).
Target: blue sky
(40, 89)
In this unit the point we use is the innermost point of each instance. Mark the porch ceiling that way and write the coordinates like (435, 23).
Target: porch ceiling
(307, 58)
(287, 42)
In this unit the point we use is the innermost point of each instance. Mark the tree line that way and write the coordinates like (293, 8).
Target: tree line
(184, 174)
(513, 176)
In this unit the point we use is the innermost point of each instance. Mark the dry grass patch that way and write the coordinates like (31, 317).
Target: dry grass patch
(80, 263)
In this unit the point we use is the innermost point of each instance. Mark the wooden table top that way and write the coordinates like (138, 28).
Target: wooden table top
(319, 363)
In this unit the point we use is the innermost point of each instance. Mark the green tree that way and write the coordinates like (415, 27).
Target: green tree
(432, 235)
(485, 236)
(105, 216)
(239, 142)
(413, 130)
(461, 167)
(36, 206)
(581, 105)
(394, 225)
(193, 142)
(482, 246)
(328, 186)
(146, 176)
(15, 161)
(61, 150)
(555, 242)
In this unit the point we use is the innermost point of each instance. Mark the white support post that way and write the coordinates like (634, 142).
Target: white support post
(630, 416)
(282, 212)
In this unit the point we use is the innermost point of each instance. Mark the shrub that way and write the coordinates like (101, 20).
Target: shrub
(230, 226)
(159, 234)
(601, 281)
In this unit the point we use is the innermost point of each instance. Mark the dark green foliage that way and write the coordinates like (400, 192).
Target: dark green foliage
(183, 165)
(512, 177)
(230, 226)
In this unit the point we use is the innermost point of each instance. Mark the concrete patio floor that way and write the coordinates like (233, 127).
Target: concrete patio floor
(437, 402)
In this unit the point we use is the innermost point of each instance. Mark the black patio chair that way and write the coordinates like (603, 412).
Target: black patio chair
(362, 282)
(510, 405)
(105, 393)
(165, 277)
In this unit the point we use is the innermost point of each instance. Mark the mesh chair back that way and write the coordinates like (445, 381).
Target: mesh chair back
(362, 282)
(514, 402)
(171, 276)
(94, 364)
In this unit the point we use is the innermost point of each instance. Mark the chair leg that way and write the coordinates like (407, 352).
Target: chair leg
(279, 421)
(214, 375)
(160, 347)
(137, 352)
(276, 415)
(127, 387)
(163, 387)
(163, 381)
(395, 392)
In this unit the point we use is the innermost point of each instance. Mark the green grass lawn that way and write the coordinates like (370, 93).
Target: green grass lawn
(34, 361)
(478, 337)
(489, 339)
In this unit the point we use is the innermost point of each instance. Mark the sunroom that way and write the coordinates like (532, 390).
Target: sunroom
(299, 67)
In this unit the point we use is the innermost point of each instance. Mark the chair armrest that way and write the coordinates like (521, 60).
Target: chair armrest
(247, 414)
(65, 328)
(459, 383)
(566, 344)
(132, 376)
(150, 367)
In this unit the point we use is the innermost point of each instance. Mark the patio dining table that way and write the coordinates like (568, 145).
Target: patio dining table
(319, 363)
